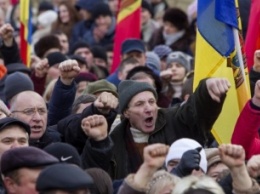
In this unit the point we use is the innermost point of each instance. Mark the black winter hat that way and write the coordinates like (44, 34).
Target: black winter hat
(30, 157)
(66, 153)
(99, 52)
(45, 6)
(7, 121)
(56, 58)
(16, 83)
(14, 67)
(146, 5)
(65, 177)
(128, 89)
(101, 9)
(77, 45)
(177, 17)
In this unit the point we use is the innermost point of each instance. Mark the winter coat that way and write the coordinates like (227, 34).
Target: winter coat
(193, 119)
(246, 130)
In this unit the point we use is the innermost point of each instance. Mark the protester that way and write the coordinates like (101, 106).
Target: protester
(145, 124)
(21, 167)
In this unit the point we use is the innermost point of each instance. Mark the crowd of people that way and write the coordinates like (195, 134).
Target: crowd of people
(68, 125)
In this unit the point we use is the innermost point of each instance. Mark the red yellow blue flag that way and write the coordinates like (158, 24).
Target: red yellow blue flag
(219, 54)
(25, 31)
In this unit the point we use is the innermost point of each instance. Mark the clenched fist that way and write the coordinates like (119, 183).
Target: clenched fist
(69, 69)
(95, 127)
(217, 87)
(6, 32)
(105, 102)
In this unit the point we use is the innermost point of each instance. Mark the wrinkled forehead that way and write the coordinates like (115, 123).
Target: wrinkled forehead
(142, 96)
(29, 100)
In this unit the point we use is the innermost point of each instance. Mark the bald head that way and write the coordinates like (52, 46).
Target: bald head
(30, 107)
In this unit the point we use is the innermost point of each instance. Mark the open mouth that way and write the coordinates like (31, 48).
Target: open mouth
(149, 121)
(36, 128)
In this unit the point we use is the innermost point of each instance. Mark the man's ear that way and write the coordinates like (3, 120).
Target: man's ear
(126, 113)
(10, 185)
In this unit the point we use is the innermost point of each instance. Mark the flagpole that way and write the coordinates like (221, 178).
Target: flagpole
(239, 52)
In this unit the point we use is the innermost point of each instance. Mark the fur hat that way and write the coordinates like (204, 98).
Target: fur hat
(46, 43)
(182, 145)
(177, 17)
(128, 89)
(16, 83)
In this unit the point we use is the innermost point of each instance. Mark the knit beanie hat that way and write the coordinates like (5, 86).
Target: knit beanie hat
(177, 17)
(100, 86)
(180, 146)
(152, 61)
(16, 83)
(127, 89)
(162, 50)
(99, 52)
(101, 9)
(66, 153)
(212, 156)
(77, 45)
(146, 5)
(180, 58)
(56, 58)
(85, 76)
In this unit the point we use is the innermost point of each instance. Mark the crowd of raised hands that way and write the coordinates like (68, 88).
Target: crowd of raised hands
(243, 174)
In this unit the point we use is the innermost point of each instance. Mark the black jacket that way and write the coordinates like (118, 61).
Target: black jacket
(193, 119)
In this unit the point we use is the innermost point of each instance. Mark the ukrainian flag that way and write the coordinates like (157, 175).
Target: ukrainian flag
(218, 54)
(25, 31)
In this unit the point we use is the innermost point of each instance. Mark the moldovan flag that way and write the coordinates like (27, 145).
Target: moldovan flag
(218, 54)
(25, 31)
(128, 26)
(252, 42)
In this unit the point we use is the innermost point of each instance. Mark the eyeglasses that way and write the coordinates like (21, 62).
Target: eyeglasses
(32, 111)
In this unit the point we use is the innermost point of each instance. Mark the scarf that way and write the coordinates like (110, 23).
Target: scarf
(172, 38)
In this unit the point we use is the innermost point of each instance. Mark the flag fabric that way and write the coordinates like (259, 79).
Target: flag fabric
(25, 31)
(252, 42)
(128, 26)
(217, 55)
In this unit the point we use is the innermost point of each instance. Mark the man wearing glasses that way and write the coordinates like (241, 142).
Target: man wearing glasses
(31, 108)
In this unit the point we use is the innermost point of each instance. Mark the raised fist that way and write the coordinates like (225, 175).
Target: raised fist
(232, 155)
(217, 87)
(105, 102)
(95, 127)
(69, 69)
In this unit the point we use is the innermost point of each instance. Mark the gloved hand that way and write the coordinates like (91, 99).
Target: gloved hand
(190, 160)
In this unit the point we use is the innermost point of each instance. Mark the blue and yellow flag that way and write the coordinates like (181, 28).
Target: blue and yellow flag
(219, 54)
(25, 31)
